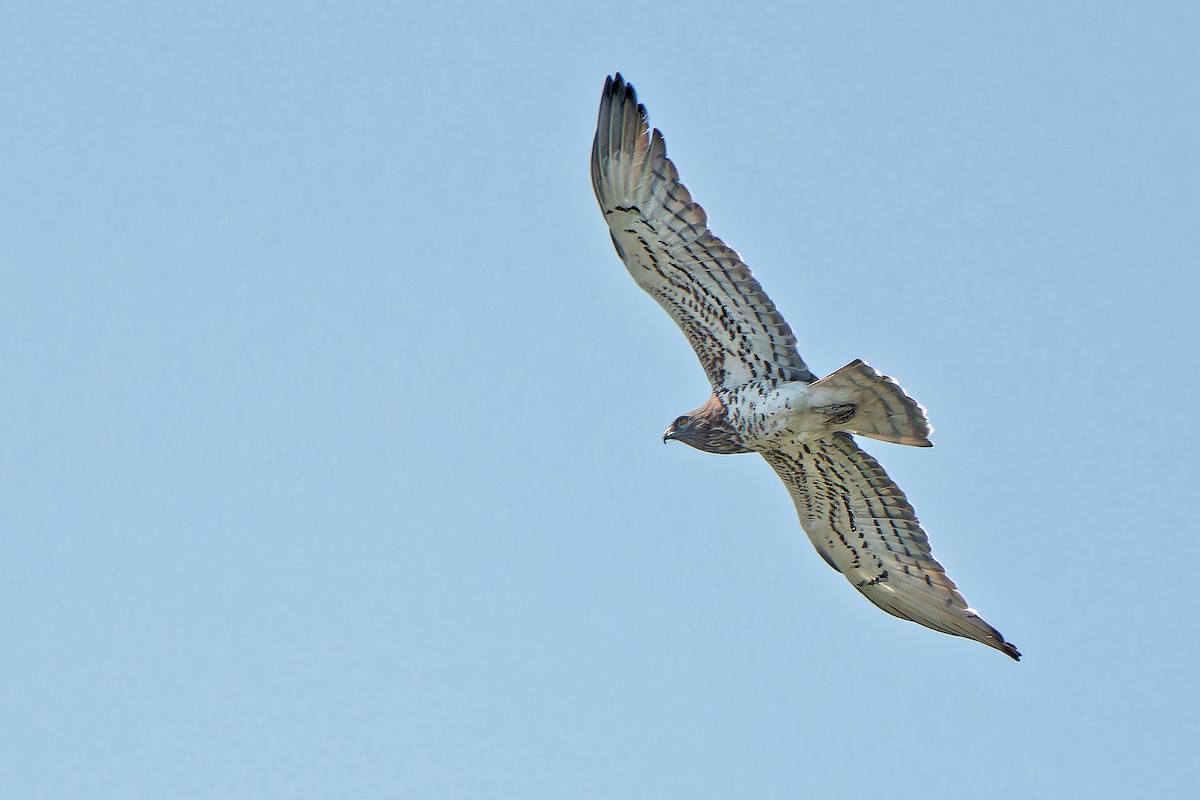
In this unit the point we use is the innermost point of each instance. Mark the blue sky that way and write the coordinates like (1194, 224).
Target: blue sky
(331, 422)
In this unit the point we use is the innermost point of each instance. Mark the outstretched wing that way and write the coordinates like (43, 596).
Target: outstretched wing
(664, 240)
(862, 524)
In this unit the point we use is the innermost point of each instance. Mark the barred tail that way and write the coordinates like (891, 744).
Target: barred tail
(881, 408)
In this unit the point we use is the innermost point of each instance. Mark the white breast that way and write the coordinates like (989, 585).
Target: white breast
(774, 414)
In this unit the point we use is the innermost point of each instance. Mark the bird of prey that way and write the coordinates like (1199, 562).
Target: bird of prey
(765, 399)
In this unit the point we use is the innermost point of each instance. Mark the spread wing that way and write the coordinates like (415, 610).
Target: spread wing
(662, 236)
(863, 526)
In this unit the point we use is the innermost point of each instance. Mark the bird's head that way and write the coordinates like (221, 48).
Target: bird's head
(707, 428)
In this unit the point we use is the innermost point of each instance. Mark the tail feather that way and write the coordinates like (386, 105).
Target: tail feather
(881, 408)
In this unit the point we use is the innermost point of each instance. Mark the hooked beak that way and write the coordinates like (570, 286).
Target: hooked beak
(668, 434)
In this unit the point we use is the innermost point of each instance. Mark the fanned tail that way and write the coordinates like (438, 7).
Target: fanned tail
(881, 408)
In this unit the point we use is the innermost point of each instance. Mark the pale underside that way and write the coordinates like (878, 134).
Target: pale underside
(857, 518)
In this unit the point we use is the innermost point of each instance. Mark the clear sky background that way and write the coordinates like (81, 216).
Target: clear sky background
(330, 422)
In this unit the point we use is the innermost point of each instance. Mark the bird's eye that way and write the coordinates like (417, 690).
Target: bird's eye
(681, 423)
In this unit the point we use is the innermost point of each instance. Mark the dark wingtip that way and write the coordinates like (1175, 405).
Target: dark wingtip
(1011, 651)
(616, 86)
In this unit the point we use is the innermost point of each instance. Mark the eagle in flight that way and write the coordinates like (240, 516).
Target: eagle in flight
(765, 399)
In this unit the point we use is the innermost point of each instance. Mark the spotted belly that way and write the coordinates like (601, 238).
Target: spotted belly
(769, 415)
